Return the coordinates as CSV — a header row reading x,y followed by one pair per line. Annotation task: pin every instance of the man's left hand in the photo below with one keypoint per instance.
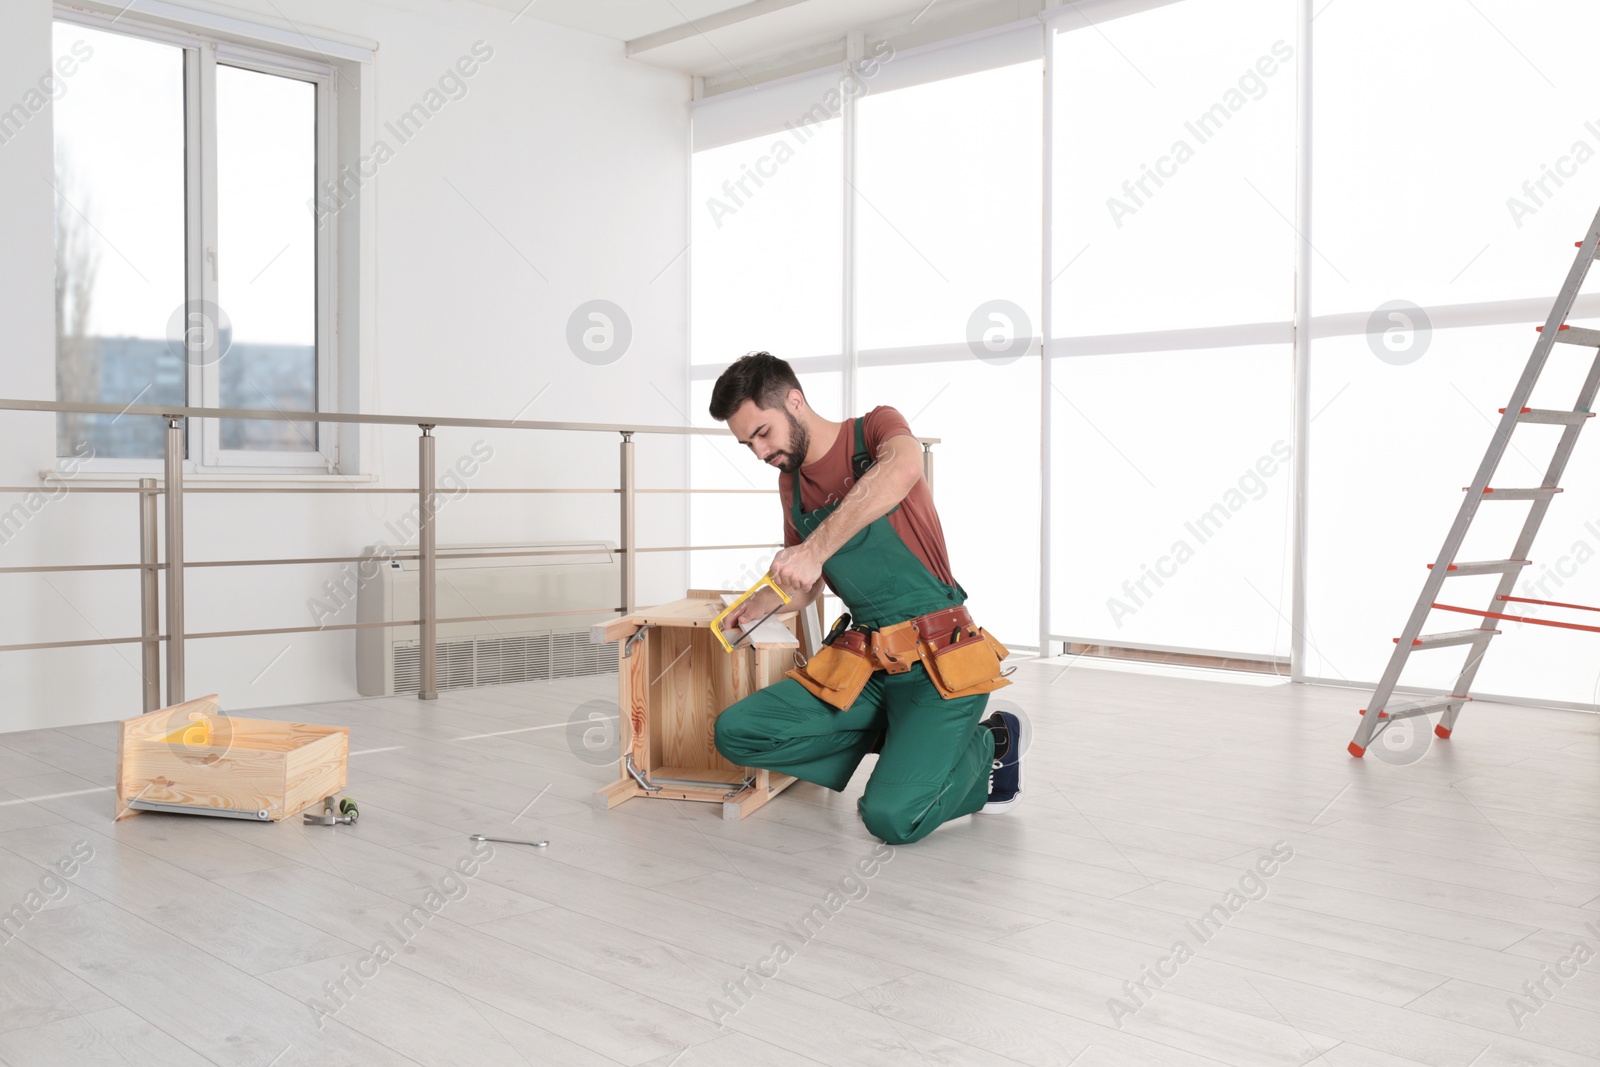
x,y
796,569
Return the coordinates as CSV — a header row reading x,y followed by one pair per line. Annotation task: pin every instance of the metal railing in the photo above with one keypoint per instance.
x,y
174,566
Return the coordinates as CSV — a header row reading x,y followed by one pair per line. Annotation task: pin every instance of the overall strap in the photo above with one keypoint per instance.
x,y
862,460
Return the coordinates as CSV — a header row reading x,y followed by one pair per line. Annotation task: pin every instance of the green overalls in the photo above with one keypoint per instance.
x,y
935,757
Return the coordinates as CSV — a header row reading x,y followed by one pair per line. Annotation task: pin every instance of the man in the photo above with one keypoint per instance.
x,y
860,517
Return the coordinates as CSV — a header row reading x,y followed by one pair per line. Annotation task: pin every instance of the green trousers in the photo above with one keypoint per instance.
x,y
933,764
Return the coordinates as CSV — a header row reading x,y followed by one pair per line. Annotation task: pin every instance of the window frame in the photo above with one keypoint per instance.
x,y
204,454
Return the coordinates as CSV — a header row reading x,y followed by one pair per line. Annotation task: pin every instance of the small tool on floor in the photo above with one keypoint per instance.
x,y
509,841
346,813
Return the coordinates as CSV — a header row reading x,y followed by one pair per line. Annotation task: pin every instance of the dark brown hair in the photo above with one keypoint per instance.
x,y
758,376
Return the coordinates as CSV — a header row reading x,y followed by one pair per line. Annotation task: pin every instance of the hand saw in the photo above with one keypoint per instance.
x,y
716,625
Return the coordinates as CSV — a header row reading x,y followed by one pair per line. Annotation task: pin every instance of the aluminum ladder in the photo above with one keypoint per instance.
x,y
1379,714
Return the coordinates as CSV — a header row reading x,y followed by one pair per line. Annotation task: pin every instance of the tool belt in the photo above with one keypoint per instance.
x,y
961,659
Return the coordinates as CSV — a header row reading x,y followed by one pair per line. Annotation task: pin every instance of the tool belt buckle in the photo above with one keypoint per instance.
x,y
895,647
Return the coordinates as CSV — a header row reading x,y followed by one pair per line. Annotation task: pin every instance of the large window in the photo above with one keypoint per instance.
x,y
1174,478
1174,167
191,264
1426,211
1172,442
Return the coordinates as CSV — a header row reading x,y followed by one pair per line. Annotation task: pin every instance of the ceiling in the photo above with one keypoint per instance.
x,y
725,37
622,20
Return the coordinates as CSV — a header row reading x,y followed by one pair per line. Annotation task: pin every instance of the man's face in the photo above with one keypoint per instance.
x,y
775,436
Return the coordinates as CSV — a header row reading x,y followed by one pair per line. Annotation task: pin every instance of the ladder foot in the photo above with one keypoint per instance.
x,y
1356,750
1440,731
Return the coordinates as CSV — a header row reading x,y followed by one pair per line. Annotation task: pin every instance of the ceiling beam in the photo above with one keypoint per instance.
x,y
732,16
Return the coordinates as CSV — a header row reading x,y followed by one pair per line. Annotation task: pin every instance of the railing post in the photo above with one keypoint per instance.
x,y
174,490
149,597
927,465
427,565
629,604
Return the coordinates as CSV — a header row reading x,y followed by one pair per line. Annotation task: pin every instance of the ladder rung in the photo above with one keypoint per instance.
x,y
1491,566
1547,603
1524,618
1551,415
1575,335
1408,709
1543,492
1451,637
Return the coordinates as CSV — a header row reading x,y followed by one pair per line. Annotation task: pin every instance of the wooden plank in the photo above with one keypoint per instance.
x,y
270,735
615,630
315,770
772,663
677,693
768,785
686,612
613,793
736,680
634,720
205,776
166,720
156,724
709,684
711,794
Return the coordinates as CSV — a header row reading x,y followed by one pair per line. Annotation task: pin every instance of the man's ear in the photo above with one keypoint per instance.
x,y
796,401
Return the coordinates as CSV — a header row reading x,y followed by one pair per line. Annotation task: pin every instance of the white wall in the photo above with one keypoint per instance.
x,y
579,158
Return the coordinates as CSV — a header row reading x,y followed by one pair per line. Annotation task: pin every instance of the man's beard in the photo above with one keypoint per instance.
x,y
799,443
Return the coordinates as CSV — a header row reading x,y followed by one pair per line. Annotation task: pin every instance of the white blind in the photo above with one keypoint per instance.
x,y
741,114
966,55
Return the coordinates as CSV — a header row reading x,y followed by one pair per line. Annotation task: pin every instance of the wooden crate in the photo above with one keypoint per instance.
x,y
245,765
675,679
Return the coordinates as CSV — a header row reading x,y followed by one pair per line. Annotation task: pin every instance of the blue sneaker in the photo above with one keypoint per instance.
x,y
1012,734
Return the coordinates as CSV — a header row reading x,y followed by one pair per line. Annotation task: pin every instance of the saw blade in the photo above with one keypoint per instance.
x,y
747,632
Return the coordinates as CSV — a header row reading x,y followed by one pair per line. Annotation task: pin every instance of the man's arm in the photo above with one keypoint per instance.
x,y
766,601
898,468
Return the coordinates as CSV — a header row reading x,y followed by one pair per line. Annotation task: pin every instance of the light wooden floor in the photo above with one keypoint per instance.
x,y
1417,902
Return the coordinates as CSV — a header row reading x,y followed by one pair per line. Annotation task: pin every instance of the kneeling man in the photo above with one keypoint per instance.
x,y
905,673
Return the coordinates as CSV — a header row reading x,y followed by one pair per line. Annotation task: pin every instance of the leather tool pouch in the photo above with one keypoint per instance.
x,y
839,671
962,659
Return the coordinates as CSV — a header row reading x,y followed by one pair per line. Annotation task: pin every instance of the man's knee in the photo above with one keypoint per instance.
x,y
891,818
733,734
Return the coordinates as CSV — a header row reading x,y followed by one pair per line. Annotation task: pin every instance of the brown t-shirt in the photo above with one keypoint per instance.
x,y
828,479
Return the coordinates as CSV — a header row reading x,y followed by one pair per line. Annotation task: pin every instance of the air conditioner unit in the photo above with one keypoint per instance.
x,y
577,575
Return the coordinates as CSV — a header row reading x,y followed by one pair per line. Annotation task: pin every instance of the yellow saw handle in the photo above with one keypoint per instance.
x,y
716,625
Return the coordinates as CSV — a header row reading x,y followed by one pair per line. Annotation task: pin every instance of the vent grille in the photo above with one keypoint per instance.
x,y
496,660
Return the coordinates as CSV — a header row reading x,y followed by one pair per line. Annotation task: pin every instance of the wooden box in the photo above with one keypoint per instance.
x,y
190,757
675,679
